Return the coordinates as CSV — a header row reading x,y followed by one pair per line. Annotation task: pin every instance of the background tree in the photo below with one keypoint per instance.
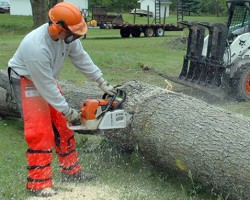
x,y
190,6
115,5
217,7
40,10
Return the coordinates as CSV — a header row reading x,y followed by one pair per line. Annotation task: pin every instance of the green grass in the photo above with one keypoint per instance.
x,y
13,165
129,176
121,60
15,24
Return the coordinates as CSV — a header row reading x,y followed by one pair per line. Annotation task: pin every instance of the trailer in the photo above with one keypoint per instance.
x,y
157,28
149,30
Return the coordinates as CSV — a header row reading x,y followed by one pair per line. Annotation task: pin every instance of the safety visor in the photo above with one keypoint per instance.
x,y
71,37
74,31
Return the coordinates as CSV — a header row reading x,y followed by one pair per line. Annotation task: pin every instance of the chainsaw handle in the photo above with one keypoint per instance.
x,y
105,95
120,93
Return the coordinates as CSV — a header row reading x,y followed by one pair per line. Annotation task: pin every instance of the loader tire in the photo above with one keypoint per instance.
x,y
241,83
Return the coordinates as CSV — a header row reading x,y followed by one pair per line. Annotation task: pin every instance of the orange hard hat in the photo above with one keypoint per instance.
x,y
71,17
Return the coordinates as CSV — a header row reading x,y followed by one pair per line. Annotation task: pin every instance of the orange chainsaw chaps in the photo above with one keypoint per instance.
x,y
67,155
39,185
39,177
39,133
37,127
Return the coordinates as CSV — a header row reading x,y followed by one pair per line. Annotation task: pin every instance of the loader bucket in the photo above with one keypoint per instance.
x,y
194,50
203,65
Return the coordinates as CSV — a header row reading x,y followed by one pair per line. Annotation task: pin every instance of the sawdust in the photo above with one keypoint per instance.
x,y
71,191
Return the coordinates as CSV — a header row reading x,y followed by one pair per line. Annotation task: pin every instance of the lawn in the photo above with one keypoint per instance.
x,y
121,60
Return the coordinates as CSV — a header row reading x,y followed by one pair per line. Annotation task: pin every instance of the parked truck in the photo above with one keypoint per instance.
x,y
103,18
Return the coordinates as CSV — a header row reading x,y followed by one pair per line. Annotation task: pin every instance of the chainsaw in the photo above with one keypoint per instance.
x,y
105,113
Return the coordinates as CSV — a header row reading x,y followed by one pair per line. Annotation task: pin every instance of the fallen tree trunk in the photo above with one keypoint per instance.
x,y
181,133
8,105
187,135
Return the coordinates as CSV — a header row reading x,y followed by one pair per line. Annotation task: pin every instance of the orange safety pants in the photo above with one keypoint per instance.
x,y
44,129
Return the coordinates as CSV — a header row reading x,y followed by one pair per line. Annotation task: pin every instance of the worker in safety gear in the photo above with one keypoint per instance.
x,y
33,71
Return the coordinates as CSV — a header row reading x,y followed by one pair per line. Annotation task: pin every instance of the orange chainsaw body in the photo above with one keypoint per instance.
x,y
90,107
105,113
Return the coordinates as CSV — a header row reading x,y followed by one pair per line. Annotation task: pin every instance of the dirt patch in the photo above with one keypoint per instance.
x,y
83,192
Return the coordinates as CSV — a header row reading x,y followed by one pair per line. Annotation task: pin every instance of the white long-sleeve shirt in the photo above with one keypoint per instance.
x,y
41,59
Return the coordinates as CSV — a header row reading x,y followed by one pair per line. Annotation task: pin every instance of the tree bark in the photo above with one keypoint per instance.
x,y
189,136
40,10
8,106
52,3
181,133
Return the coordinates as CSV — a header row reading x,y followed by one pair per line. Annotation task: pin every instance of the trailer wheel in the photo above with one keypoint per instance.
x,y
125,32
149,32
136,32
159,32
241,83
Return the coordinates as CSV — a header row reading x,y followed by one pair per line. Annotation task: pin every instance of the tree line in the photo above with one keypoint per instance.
x,y
217,7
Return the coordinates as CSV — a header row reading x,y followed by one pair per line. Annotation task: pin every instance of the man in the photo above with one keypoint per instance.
x,y
33,71
239,31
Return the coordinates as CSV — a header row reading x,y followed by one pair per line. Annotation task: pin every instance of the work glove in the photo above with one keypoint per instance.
x,y
107,88
72,115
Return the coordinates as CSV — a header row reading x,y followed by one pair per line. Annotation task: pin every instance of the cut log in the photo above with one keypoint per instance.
x,y
181,133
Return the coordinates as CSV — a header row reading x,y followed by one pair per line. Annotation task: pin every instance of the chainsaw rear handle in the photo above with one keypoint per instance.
x,y
120,98
118,92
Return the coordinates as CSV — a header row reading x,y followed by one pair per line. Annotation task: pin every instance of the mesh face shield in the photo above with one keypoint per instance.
x,y
70,36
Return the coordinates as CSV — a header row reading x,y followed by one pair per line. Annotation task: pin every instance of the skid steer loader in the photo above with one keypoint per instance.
x,y
219,63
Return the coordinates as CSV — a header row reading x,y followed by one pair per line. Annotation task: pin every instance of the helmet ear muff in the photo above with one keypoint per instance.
x,y
54,29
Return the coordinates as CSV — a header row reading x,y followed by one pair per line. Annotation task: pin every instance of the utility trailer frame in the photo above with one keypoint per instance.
x,y
154,29
148,30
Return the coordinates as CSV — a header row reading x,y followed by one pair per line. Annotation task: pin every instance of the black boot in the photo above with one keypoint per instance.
x,y
78,177
46,192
